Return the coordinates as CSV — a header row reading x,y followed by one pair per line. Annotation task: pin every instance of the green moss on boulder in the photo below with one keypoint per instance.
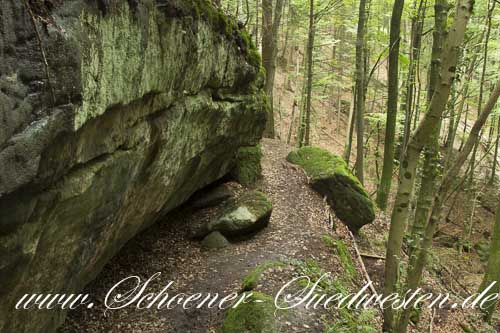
x,y
331,177
247,167
256,316
245,215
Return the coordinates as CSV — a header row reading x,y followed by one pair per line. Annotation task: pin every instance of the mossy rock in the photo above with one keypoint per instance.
x,y
214,240
331,177
247,165
247,214
256,316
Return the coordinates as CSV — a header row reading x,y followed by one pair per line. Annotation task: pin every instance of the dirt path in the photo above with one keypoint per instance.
x,y
298,221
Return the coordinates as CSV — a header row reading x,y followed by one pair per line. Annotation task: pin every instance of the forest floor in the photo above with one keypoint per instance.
x,y
298,223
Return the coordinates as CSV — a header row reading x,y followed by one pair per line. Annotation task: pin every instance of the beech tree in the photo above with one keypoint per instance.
x,y
270,26
417,142
392,105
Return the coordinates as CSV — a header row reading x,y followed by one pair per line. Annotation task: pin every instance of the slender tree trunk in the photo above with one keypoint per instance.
x,y
495,155
360,89
392,108
420,139
416,43
415,272
257,23
493,269
431,162
268,59
291,122
310,62
350,129
471,190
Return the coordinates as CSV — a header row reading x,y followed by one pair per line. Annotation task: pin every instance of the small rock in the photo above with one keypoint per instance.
x,y
215,240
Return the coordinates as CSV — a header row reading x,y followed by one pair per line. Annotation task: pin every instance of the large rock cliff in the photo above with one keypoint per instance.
x,y
112,113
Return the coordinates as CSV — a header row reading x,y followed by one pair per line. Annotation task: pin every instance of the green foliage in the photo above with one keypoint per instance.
x,y
248,169
251,281
343,253
314,271
256,316
361,322
346,320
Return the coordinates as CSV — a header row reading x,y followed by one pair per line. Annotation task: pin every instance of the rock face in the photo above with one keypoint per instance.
x,y
331,177
114,118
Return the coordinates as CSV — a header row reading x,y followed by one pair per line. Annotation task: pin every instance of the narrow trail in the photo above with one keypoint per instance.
x,y
298,222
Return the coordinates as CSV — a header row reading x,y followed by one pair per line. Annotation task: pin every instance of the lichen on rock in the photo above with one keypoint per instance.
x,y
331,177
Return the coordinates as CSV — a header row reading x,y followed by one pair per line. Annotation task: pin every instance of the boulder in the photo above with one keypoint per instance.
x,y
214,240
247,214
239,217
133,107
330,176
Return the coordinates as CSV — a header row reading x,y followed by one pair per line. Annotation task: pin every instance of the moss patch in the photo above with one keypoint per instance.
x,y
343,254
247,167
331,177
251,281
256,316
228,27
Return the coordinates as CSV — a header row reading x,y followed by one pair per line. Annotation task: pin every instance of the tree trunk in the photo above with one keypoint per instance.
x,y
309,55
360,89
415,272
416,43
392,106
257,23
350,129
430,168
493,269
471,190
268,60
495,155
417,142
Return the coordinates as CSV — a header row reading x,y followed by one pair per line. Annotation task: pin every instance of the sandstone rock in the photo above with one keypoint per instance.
x,y
331,177
249,213
212,197
138,109
215,240
248,169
